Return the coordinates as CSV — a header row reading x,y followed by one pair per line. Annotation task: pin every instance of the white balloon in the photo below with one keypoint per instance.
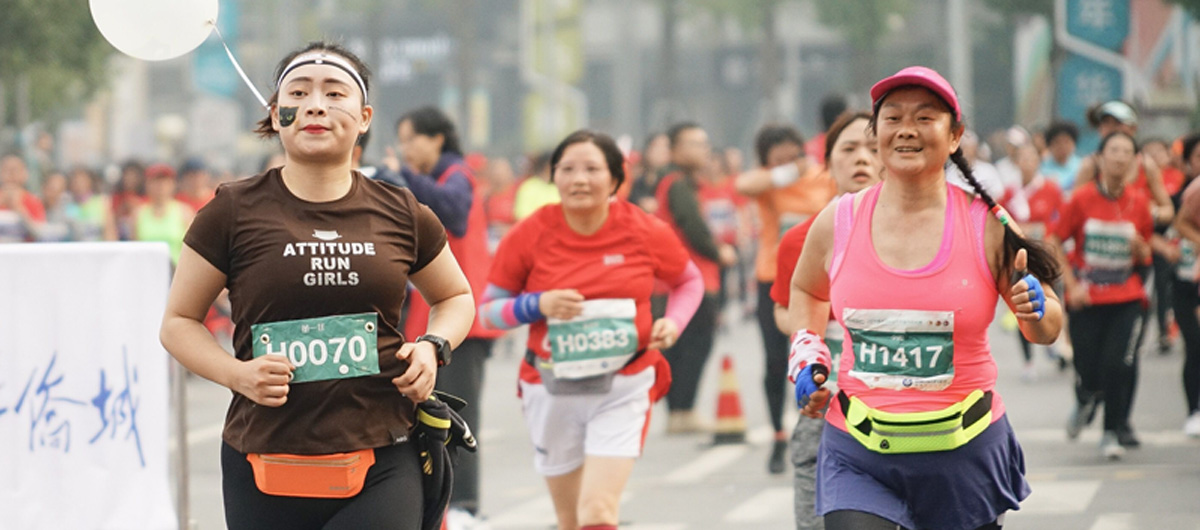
x,y
154,30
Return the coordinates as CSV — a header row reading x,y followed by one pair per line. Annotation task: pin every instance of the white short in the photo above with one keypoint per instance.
x,y
565,428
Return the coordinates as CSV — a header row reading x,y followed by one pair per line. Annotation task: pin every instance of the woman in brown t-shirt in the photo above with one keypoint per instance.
x,y
316,259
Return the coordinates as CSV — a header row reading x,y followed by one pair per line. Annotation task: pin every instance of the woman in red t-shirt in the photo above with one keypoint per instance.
x,y
581,274
1111,225
1041,199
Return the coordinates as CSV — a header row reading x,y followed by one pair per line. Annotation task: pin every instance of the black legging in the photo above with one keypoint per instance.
x,y
1105,339
463,377
391,498
775,350
852,520
689,355
1185,300
1161,296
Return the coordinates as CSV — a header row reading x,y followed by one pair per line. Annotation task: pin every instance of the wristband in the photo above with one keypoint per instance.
x,y
782,176
526,309
807,348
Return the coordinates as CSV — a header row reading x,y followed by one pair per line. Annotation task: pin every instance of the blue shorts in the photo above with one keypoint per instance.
x,y
961,489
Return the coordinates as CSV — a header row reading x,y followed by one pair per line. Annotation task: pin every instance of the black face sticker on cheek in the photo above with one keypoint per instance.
x,y
287,115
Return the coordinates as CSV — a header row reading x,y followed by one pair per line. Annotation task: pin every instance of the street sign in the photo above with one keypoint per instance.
x,y
211,72
1082,83
1104,23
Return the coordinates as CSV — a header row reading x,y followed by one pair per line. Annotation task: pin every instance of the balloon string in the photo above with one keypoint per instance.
x,y
238,67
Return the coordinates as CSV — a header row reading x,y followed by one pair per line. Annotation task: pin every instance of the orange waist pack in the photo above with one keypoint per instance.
x,y
332,476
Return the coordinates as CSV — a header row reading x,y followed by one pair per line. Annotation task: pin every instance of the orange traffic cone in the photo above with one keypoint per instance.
x,y
731,424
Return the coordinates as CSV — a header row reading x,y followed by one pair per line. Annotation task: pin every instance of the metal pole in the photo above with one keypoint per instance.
x,y
960,53
182,476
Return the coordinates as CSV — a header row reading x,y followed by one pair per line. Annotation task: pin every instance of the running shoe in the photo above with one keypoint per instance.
x,y
1192,426
1029,373
1127,439
460,519
778,454
1110,447
685,422
1080,418
1058,358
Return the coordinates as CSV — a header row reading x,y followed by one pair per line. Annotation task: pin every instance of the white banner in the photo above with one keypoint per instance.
x,y
84,392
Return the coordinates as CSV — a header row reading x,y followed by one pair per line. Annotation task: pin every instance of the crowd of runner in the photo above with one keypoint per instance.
x,y
626,263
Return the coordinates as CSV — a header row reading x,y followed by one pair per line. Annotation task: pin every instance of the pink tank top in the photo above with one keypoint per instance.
x,y
915,340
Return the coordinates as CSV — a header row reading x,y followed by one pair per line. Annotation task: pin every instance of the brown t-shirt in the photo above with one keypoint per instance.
x,y
287,259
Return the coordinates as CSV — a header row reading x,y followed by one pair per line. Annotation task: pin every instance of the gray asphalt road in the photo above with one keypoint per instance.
x,y
686,483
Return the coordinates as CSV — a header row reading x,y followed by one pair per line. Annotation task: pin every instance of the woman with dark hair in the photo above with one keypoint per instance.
x,y
95,221
1111,226
580,273
439,178
316,257
129,194
656,154
912,268
788,190
851,153
1187,273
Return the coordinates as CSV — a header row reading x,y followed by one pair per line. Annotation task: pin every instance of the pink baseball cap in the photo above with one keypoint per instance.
x,y
920,76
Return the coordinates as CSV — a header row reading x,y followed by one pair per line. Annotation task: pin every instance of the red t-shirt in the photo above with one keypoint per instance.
x,y
720,203
1045,200
1172,180
1102,228
195,202
790,246
500,205
621,260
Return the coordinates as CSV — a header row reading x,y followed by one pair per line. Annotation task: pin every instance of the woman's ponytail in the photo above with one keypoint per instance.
x,y
1041,261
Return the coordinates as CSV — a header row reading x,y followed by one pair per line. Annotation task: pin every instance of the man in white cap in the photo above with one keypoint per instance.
x,y
1118,116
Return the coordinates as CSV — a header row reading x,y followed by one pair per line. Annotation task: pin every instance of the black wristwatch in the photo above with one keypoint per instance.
x,y
443,347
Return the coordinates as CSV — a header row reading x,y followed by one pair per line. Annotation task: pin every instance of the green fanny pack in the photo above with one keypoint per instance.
x,y
917,432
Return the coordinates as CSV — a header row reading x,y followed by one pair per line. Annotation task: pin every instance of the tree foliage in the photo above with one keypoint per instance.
x,y
56,48
749,13
1191,6
1014,8
863,22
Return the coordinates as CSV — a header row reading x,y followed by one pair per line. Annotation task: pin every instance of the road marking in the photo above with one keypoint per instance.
x,y
535,513
1060,497
200,435
769,504
1114,521
1137,521
1171,438
654,526
707,463
1125,471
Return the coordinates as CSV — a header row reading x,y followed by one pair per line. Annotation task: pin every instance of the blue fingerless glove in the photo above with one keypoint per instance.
x,y
1037,296
805,385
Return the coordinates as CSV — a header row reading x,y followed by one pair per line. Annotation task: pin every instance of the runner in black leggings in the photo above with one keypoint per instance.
x,y
1186,297
316,258
1111,226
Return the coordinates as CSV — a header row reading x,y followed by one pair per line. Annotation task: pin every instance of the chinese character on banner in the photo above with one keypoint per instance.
x,y
1082,83
1104,23
1097,14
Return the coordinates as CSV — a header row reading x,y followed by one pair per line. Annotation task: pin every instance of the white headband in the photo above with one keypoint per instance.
x,y
323,58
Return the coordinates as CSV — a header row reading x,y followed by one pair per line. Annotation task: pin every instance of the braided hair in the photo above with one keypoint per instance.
x,y
1040,258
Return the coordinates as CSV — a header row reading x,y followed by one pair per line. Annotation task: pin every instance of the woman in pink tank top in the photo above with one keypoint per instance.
x,y
912,268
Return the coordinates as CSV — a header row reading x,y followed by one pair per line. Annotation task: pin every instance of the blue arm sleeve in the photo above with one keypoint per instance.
x,y
451,201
